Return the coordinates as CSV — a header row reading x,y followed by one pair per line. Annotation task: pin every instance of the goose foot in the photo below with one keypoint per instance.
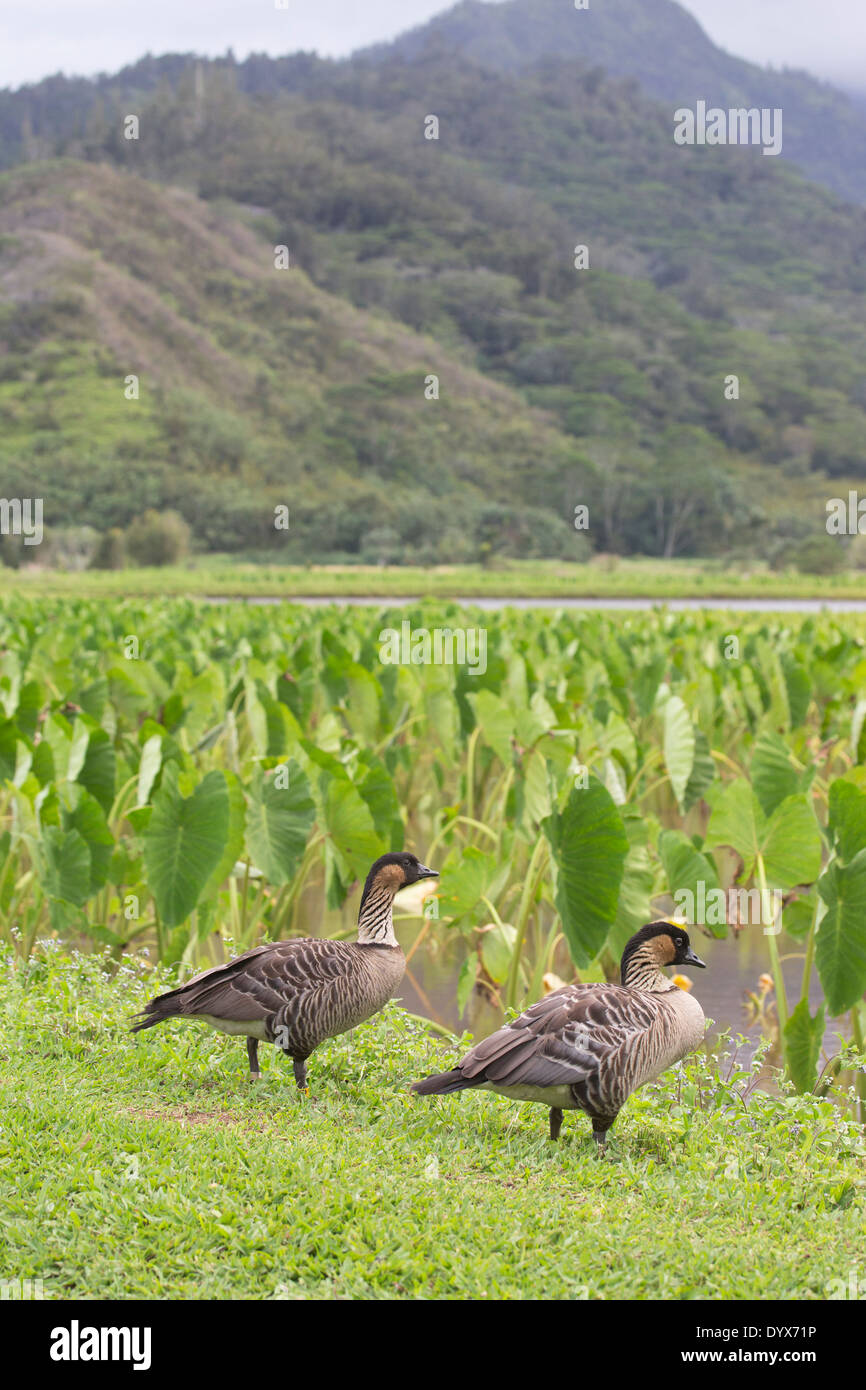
x,y
599,1134
299,1067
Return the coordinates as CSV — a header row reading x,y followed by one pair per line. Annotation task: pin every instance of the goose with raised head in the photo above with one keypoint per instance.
x,y
587,1047
297,993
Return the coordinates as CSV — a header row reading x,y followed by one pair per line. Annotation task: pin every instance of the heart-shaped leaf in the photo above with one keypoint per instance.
x,y
589,846
184,841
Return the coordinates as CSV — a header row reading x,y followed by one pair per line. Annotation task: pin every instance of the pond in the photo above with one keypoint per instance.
x,y
734,966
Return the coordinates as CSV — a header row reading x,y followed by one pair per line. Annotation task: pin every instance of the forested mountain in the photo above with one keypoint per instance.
x,y
665,48
452,257
255,389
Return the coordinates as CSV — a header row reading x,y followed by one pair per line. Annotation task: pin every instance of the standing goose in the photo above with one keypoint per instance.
x,y
298,993
587,1047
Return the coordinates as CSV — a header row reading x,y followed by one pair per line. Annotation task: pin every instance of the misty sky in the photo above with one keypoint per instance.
x,y
38,37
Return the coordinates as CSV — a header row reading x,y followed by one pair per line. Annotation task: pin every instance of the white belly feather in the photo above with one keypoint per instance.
x,y
255,1028
557,1097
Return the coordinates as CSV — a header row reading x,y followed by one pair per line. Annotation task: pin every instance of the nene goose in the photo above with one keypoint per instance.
x,y
587,1047
298,993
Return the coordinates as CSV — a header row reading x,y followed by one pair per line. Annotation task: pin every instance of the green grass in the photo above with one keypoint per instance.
x,y
219,576
150,1167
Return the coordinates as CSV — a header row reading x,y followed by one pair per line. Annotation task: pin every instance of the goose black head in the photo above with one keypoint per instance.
x,y
661,943
395,871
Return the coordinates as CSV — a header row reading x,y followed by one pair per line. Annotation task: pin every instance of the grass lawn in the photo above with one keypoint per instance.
x,y
221,576
151,1167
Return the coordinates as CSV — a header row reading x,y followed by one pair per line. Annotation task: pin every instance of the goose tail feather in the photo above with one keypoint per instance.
x,y
442,1083
157,1011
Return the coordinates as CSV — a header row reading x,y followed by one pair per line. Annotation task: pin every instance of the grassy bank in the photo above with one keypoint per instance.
x,y
640,578
151,1167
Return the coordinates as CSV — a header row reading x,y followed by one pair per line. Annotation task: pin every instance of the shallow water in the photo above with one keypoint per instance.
x,y
720,605
733,967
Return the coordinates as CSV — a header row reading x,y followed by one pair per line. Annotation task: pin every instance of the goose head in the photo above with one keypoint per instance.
x,y
655,946
394,871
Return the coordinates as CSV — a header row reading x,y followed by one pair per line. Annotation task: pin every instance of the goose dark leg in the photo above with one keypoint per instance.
x,y
555,1123
600,1126
299,1066
253,1054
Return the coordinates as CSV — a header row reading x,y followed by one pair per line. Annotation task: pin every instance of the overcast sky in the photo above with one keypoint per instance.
x,y
38,37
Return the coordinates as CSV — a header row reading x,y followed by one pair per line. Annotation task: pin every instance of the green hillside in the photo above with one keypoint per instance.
x,y
665,48
256,388
413,257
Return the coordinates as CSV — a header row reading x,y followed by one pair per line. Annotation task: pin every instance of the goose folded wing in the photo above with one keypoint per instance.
x,y
562,1040
259,983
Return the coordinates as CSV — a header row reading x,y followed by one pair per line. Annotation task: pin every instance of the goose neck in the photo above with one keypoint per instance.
x,y
644,973
375,923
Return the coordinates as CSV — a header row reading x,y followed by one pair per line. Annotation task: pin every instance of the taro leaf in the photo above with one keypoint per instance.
x,y
377,789
679,745
798,916
31,698
148,768
533,790
803,1038
8,749
847,818
362,702
634,906
840,942
646,681
774,776
296,689
686,868
202,697
465,880
84,814
703,771
589,846
99,771
799,689
279,821
68,744
466,981
858,732
65,861
234,844
614,780
351,827
497,948
617,740
272,724
184,842
497,723
93,699
43,763
139,818
789,841
440,708
792,844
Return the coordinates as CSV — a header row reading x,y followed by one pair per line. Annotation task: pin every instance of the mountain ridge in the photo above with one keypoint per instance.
x,y
664,47
607,383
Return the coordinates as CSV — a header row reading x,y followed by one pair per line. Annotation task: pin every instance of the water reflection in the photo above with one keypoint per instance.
x,y
734,966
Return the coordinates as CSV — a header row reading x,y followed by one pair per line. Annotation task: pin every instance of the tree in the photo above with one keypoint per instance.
x,y
157,538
